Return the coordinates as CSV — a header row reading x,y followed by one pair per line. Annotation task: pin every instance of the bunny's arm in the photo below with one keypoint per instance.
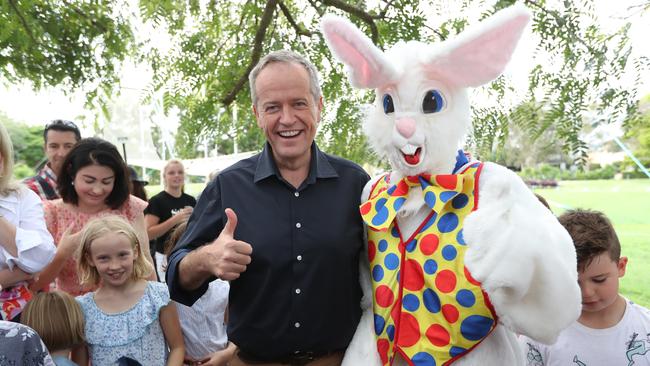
x,y
362,350
523,257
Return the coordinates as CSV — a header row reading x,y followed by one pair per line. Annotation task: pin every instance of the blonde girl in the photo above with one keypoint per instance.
x,y
166,210
58,319
127,316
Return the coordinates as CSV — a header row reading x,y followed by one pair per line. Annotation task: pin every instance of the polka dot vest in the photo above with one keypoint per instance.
x,y
427,306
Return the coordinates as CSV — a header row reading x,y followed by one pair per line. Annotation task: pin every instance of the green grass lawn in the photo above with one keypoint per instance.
x,y
627,204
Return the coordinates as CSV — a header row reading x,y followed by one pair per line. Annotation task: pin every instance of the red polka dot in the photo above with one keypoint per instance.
x,y
413,275
365,208
446,281
394,313
372,250
409,330
429,244
401,189
413,179
382,348
426,177
470,278
384,296
450,313
438,336
447,181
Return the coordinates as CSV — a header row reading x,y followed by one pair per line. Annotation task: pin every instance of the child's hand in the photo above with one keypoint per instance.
x,y
220,358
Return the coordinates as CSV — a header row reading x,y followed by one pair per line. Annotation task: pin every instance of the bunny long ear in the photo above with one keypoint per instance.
x,y
367,65
479,54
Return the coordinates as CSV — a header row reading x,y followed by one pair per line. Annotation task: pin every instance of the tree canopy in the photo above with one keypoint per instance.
x,y
215,44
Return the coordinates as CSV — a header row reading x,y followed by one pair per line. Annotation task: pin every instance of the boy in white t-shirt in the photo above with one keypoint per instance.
x,y
611,330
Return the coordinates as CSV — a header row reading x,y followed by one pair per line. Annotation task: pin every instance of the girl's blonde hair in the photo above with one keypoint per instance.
x,y
99,227
57,318
7,153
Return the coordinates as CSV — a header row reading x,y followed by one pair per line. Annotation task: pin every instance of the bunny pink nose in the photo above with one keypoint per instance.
x,y
405,126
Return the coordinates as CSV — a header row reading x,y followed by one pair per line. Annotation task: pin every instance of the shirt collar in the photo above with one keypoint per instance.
x,y
47,170
319,166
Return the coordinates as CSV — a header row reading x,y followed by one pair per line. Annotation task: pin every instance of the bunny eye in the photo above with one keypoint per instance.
x,y
388,104
432,102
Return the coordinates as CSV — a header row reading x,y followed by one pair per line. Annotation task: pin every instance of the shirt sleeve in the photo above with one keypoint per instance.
x,y
33,240
134,207
153,208
204,225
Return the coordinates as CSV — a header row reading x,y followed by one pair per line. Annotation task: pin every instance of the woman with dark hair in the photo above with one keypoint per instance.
x,y
94,182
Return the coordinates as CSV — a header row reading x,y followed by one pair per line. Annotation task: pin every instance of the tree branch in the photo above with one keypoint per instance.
x,y
287,14
382,14
267,16
359,13
100,27
23,21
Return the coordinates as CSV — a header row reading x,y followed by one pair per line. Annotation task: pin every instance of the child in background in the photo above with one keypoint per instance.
x,y
611,330
127,315
204,324
58,319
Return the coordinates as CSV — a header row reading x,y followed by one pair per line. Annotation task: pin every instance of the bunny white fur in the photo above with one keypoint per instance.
x,y
517,249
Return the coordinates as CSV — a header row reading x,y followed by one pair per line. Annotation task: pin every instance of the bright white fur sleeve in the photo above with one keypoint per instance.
x,y
524,258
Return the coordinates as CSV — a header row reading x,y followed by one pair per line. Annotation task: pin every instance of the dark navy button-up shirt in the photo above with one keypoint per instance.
x,y
301,290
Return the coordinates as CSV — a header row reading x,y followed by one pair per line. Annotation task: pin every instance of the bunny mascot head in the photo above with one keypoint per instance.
x,y
461,254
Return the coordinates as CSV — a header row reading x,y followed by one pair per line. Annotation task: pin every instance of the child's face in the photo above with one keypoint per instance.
x,y
113,257
599,282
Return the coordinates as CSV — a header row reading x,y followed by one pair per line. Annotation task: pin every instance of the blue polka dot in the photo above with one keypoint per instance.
x,y
394,232
431,300
391,189
430,222
411,302
380,217
411,245
377,273
449,252
455,351
398,203
423,359
379,324
448,222
382,245
459,237
466,298
430,266
430,199
460,201
391,261
475,327
447,195
380,203
390,330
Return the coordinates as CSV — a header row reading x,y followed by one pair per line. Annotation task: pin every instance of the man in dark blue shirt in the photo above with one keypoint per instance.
x,y
284,227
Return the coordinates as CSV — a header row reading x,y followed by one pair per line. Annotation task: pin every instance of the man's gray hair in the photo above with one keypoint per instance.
x,y
286,56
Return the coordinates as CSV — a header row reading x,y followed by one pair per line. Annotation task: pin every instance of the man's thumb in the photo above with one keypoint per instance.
x,y
231,224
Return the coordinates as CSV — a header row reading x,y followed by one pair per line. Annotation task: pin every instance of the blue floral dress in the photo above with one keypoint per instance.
x,y
135,333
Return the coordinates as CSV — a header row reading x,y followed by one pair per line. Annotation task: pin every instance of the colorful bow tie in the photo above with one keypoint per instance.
x,y
379,211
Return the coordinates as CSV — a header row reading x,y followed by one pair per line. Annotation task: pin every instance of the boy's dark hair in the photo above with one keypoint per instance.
x,y
63,126
174,237
592,234
91,151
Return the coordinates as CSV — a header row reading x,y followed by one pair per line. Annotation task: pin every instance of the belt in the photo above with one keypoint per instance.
x,y
298,358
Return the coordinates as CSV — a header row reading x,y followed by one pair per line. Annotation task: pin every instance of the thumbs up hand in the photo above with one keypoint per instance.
x,y
228,256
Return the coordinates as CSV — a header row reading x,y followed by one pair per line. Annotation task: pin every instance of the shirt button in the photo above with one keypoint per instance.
x,y
298,291
299,257
297,194
297,325
298,225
